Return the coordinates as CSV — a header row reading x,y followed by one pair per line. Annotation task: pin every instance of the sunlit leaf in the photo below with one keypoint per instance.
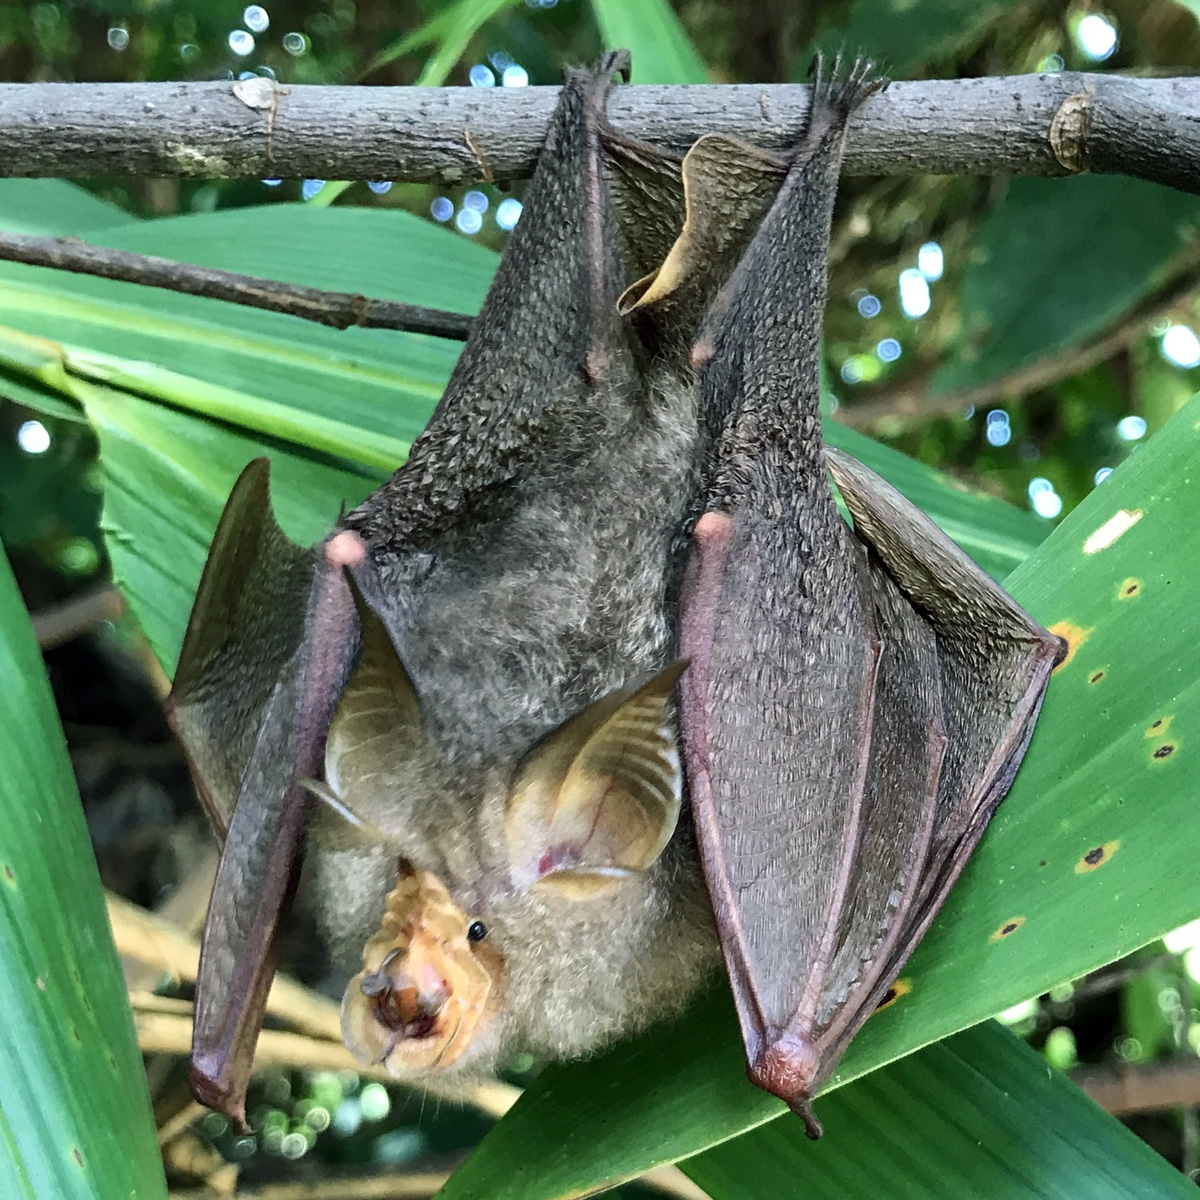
x,y
904,37
662,50
75,1120
976,1115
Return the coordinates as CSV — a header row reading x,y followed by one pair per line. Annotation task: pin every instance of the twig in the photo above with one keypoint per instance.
x,y
1142,1087
1050,124
142,935
398,1186
340,310
171,1033
61,623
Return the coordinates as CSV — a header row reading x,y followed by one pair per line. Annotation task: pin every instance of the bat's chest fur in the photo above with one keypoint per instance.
x,y
511,624
508,626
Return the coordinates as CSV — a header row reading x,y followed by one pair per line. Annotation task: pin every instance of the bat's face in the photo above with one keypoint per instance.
x,y
540,905
429,981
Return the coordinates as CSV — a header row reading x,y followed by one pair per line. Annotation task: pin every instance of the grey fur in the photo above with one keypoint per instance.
x,y
524,563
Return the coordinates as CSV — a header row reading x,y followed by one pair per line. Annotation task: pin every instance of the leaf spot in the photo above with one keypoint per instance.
x,y
1009,927
77,1155
1073,635
1159,726
41,984
900,988
1096,857
1164,751
1120,523
1096,676
9,877
1129,588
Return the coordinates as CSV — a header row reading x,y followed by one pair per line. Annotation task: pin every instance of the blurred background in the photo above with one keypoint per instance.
x,y
1024,336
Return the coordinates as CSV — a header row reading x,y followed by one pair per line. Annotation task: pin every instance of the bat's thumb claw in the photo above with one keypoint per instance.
x,y
804,1110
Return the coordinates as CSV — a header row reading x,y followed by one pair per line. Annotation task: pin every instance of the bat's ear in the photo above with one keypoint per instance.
x,y
376,735
728,187
597,799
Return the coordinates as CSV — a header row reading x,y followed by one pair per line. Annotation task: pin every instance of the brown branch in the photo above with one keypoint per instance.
x,y
62,622
1142,1087
1050,124
341,310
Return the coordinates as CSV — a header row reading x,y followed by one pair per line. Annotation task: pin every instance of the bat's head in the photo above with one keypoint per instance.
x,y
542,901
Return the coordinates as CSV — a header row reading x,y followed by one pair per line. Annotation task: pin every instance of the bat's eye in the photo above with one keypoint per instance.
x,y
476,931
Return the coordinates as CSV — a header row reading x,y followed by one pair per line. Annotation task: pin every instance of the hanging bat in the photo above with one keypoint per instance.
x,y
858,701
502,755
500,766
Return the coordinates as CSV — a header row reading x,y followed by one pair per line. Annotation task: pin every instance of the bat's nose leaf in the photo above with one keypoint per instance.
x,y
422,995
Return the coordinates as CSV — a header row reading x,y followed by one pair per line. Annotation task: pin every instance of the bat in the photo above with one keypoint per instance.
x,y
475,672
859,700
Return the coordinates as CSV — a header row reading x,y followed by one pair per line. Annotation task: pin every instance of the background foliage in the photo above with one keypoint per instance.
x,y
1025,337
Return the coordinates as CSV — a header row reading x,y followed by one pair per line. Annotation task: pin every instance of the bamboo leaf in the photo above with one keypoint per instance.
x,y
75,1119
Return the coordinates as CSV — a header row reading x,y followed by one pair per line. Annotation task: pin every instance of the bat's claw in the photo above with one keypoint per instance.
x,y
804,1110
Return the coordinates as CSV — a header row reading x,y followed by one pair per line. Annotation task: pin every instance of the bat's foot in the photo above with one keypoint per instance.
x,y
844,95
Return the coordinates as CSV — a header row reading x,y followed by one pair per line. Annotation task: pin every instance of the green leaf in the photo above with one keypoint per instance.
x,y
450,31
976,1115
662,50
167,479
379,381
1075,871
904,37
1057,262
75,1118
54,208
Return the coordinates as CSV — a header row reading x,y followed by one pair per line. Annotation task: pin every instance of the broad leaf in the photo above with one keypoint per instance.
x,y
1058,261
1091,856
75,1117
976,1115
662,51
904,37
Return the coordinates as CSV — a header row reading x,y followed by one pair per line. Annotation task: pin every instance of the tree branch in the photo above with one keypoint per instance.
x,y
339,309
1053,124
1141,1087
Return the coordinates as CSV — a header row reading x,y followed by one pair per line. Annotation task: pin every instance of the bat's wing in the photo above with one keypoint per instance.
x,y
549,343
274,633
272,637
994,662
856,705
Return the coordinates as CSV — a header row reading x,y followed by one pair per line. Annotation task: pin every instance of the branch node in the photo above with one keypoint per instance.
x,y
1071,130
